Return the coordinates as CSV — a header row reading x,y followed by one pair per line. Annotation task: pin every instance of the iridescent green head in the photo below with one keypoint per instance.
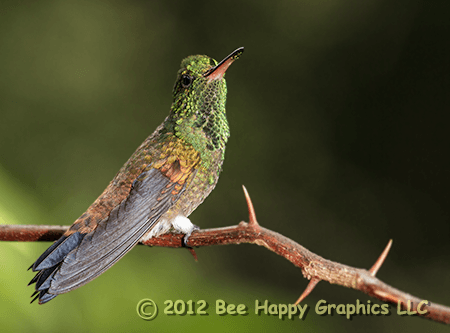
x,y
198,109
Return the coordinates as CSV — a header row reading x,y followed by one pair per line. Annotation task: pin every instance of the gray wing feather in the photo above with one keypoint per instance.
x,y
118,233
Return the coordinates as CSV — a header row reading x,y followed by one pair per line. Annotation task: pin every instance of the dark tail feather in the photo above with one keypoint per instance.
x,y
44,297
35,297
49,262
36,277
46,253
56,253
45,278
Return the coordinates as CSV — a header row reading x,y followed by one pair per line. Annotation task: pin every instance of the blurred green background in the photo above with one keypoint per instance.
x,y
339,120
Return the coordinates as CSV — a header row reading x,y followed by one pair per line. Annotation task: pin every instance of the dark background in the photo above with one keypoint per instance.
x,y
339,130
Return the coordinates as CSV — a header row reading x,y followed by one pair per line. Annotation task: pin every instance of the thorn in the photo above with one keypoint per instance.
x,y
193,253
374,270
311,285
251,211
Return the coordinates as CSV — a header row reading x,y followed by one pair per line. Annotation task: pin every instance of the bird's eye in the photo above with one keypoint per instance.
x,y
186,81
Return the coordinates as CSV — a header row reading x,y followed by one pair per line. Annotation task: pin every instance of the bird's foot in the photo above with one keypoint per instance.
x,y
187,235
184,225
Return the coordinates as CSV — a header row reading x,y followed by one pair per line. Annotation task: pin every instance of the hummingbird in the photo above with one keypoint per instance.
x,y
165,179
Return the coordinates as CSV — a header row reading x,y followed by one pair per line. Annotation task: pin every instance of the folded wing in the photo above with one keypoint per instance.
x,y
74,260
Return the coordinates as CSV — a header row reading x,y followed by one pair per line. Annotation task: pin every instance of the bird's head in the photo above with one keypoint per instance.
x,y
199,97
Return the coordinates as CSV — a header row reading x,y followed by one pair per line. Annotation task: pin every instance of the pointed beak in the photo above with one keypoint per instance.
x,y
218,71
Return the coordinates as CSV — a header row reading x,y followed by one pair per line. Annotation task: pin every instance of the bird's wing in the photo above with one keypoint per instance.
x,y
118,233
79,258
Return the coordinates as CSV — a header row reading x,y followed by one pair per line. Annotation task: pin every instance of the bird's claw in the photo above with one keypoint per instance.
x,y
187,235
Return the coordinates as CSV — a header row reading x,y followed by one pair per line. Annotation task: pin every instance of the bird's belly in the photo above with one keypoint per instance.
x,y
162,226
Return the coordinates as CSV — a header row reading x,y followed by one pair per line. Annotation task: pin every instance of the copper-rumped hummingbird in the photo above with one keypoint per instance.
x,y
165,179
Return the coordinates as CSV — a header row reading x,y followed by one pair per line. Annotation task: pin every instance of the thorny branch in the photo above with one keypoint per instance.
x,y
314,267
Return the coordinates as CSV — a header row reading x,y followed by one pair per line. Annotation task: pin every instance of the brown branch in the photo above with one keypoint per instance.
x,y
314,267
